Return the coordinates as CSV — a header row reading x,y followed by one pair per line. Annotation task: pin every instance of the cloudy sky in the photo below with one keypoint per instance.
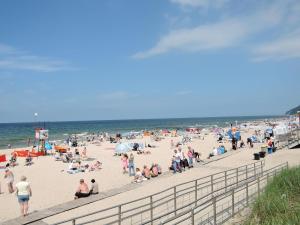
x,y
117,59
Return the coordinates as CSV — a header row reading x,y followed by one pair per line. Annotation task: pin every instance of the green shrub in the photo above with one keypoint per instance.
x,y
280,202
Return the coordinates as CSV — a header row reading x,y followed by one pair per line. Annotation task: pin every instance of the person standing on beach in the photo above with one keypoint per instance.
x,y
131,169
23,193
190,155
124,160
9,177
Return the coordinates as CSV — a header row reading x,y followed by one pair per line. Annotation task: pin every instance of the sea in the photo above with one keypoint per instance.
x,y
18,134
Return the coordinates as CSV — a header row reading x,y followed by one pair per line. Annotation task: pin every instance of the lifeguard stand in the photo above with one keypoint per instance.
x,y
41,135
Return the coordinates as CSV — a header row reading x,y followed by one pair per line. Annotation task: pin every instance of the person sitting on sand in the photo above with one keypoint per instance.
x,y
242,144
13,160
158,168
28,160
146,172
77,155
214,153
94,187
138,178
58,156
96,166
83,190
73,167
154,170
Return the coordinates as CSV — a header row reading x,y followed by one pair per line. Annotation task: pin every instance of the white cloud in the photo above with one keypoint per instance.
x,y
183,93
200,3
13,59
285,47
227,33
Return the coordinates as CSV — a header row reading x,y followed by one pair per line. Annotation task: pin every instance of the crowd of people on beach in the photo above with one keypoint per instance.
x,y
182,159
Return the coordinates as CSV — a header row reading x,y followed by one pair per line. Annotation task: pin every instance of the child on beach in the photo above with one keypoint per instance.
x,y
131,165
9,177
138,178
124,160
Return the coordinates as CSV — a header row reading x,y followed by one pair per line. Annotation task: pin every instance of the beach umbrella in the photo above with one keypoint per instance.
x,y
122,148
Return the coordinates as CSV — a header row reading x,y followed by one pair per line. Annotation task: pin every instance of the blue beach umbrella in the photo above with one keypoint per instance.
x,y
122,148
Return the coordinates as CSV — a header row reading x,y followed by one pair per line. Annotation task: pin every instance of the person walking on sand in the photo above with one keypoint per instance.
x,y
9,177
131,169
124,160
23,193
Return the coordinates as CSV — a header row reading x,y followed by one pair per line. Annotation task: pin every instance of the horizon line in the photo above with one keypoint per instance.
x,y
127,119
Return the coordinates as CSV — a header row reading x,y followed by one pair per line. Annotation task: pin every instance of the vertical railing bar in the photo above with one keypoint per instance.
x,y
151,209
196,192
225,180
232,199
215,211
175,201
119,215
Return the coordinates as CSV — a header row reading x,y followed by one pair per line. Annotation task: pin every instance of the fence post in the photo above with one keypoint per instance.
x,y
73,222
226,180
175,202
212,184
258,186
193,216
215,210
237,176
287,165
247,193
261,168
151,209
232,203
246,173
254,170
120,215
196,190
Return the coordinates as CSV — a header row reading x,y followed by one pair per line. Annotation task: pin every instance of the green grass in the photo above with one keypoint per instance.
x,y
280,203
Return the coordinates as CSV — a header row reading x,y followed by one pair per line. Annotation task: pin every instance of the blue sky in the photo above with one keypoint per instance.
x,y
117,59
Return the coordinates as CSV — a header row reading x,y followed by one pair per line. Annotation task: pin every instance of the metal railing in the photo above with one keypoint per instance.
x,y
171,202
222,207
289,139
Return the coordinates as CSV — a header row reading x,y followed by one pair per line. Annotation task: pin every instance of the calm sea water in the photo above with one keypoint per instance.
x,y
17,134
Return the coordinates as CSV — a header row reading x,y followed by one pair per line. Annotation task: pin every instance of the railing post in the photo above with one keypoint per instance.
x,y
237,176
211,184
175,202
232,201
193,217
120,215
73,222
151,209
215,210
226,180
247,193
246,173
261,168
258,186
196,192
254,170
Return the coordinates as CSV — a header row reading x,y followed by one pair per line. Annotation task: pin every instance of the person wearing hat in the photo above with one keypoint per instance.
x,y
9,177
23,193
83,190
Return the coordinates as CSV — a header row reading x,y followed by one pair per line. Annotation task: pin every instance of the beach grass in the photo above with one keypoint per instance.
x,y
280,203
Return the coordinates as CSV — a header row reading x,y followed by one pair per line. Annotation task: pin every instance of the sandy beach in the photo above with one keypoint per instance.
x,y
52,185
